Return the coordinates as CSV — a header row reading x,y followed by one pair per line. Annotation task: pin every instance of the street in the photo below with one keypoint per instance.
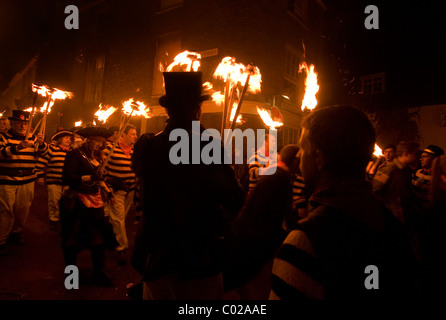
x,y
35,270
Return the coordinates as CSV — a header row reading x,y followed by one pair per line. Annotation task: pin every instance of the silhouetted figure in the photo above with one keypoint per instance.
x,y
346,229
180,248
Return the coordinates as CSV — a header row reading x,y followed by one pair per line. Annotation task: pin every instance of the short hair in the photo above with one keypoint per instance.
x,y
407,146
128,128
345,137
390,146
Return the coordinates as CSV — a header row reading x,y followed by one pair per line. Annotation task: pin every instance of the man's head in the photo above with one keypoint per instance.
x,y
129,135
429,154
4,124
19,122
115,132
407,153
288,155
389,152
336,141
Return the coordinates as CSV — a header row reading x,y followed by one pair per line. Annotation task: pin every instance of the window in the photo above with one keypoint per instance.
x,y
298,10
168,47
95,79
373,83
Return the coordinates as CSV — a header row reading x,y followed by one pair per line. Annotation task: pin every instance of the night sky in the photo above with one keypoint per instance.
x,y
410,39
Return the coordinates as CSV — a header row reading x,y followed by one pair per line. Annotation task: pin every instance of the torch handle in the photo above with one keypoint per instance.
x,y
240,101
43,124
239,106
30,121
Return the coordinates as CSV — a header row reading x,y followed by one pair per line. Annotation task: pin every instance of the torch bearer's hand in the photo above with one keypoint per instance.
x,y
25,144
40,139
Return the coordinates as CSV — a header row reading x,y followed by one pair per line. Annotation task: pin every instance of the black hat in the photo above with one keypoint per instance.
x,y
113,129
94,132
182,88
19,115
434,150
60,134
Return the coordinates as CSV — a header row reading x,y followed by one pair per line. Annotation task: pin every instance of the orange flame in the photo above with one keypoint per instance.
x,y
267,119
311,87
104,112
78,123
234,109
229,70
378,151
186,58
136,108
53,93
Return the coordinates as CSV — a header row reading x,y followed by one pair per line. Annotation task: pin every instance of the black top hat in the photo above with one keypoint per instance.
x,y
182,88
94,132
19,115
434,150
60,134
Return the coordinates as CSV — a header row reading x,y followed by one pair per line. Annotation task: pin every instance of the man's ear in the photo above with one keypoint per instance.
x,y
318,159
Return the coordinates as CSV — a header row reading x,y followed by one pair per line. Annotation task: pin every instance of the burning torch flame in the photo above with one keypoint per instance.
x,y
136,108
78,123
104,112
378,151
239,118
311,87
267,120
190,59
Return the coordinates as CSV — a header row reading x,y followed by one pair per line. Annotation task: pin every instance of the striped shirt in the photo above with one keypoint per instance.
x,y
17,167
296,272
53,161
300,198
119,166
258,160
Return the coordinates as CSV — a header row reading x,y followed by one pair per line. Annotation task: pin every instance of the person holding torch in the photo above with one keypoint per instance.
x,y
18,154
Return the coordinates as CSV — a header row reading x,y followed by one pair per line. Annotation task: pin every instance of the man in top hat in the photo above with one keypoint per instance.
x,y
423,177
50,167
18,155
181,242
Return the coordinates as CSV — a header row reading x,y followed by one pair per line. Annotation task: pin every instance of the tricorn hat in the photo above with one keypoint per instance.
x,y
182,88
434,150
19,115
61,133
94,132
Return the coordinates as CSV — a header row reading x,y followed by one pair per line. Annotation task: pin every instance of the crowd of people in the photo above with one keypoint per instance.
x,y
305,223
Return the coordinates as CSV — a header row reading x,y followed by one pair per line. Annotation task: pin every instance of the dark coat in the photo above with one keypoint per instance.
x,y
259,229
186,210
348,230
81,227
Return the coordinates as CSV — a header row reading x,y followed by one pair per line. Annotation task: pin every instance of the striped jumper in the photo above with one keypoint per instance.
x,y
119,168
53,160
17,168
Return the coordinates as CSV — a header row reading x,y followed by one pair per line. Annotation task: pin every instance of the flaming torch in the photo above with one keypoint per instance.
x,y
129,108
186,58
104,112
52,94
268,120
371,167
232,74
309,101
